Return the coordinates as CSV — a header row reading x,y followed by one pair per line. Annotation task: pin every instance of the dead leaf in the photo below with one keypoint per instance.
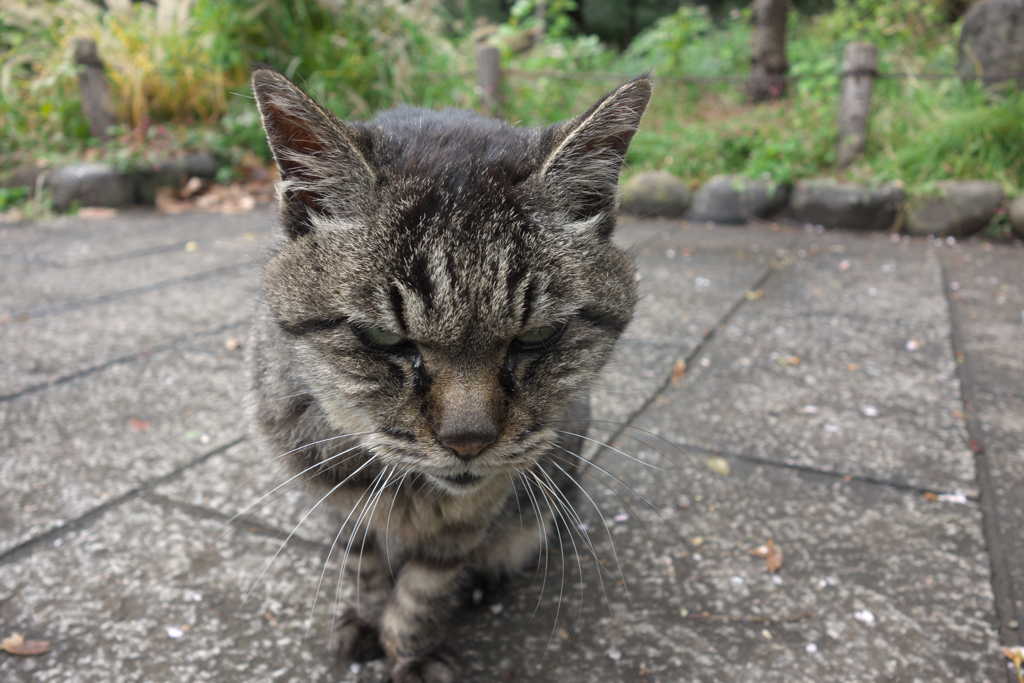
x,y
139,425
774,559
755,294
793,360
719,465
853,367
771,553
193,187
96,212
678,371
1016,655
17,645
167,202
931,496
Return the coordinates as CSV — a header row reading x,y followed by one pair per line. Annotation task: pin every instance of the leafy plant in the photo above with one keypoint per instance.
x,y
13,196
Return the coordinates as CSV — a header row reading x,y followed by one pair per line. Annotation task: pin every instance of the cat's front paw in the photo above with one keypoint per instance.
x,y
439,666
354,640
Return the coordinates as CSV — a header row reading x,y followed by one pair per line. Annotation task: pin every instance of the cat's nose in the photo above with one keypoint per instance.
x,y
467,445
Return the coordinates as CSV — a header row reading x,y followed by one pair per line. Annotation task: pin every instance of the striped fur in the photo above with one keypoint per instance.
x,y
441,292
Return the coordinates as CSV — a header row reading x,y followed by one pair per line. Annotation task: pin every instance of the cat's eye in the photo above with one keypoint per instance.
x,y
383,337
538,337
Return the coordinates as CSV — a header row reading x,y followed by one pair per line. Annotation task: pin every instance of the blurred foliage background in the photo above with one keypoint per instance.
x,y
178,74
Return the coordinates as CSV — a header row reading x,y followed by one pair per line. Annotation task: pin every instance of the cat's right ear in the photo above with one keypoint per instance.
x,y
581,170
323,160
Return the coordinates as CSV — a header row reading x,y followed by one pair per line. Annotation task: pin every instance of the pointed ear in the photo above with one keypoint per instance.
x,y
324,162
581,172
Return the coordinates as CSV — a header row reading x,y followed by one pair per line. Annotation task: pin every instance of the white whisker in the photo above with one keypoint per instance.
x,y
292,532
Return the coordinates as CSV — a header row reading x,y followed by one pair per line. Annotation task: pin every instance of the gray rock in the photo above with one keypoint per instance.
x,y
24,175
200,165
958,207
734,199
992,42
89,184
655,193
1017,216
170,173
846,205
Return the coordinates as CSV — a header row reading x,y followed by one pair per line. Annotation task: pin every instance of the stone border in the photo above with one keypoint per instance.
x,y
957,208
97,184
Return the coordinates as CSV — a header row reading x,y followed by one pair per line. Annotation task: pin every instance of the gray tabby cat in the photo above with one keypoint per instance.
x,y
442,291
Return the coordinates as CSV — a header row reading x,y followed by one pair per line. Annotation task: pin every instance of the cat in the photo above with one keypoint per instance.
x,y
441,291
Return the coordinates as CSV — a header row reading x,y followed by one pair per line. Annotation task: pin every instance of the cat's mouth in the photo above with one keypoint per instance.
x,y
464,479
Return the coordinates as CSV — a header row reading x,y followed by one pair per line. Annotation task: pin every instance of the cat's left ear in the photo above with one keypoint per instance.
x,y
581,172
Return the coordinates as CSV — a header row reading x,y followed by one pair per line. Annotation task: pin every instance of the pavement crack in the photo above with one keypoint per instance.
x,y
691,356
1002,581
807,469
125,293
131,357
127,255
232,521
87,518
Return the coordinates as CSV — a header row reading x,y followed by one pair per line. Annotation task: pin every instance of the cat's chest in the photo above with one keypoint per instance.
x,y
426,519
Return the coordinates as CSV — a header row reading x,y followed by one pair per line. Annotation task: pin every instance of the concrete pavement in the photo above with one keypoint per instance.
x,y
856,398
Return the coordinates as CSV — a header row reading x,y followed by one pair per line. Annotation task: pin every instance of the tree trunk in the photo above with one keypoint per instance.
x,y
768,65
92,83
859,62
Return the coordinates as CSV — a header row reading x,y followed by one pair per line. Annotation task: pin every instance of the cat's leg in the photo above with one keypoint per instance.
x,y
356,633
415,622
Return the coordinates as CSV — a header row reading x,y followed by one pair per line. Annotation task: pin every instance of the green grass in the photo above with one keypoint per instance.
x,y
195,95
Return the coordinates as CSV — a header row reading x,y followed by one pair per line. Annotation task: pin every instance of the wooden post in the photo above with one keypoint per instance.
x,y
540,15
488,75
768,65
93,89
859,62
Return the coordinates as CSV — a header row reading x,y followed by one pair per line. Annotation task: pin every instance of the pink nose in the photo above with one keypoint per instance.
x,y
468,445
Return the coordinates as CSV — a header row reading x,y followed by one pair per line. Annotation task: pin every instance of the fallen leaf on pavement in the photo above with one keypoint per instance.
x,y
193,187
96,212
1016,655
756,294
166,201
139,425
17,645
771,553
678,370
719,465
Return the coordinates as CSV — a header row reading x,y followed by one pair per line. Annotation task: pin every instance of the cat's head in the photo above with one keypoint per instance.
x,y
448,282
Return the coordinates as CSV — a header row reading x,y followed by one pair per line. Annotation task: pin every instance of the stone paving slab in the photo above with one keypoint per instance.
x,y
45,349
809,375
688,283
76,446
238,485
45,291
67,241
986,287
703,609
156,597
116,545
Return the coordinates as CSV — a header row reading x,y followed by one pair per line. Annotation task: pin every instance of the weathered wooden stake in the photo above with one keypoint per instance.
x,y
92,84
488,76
768,65
859,62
